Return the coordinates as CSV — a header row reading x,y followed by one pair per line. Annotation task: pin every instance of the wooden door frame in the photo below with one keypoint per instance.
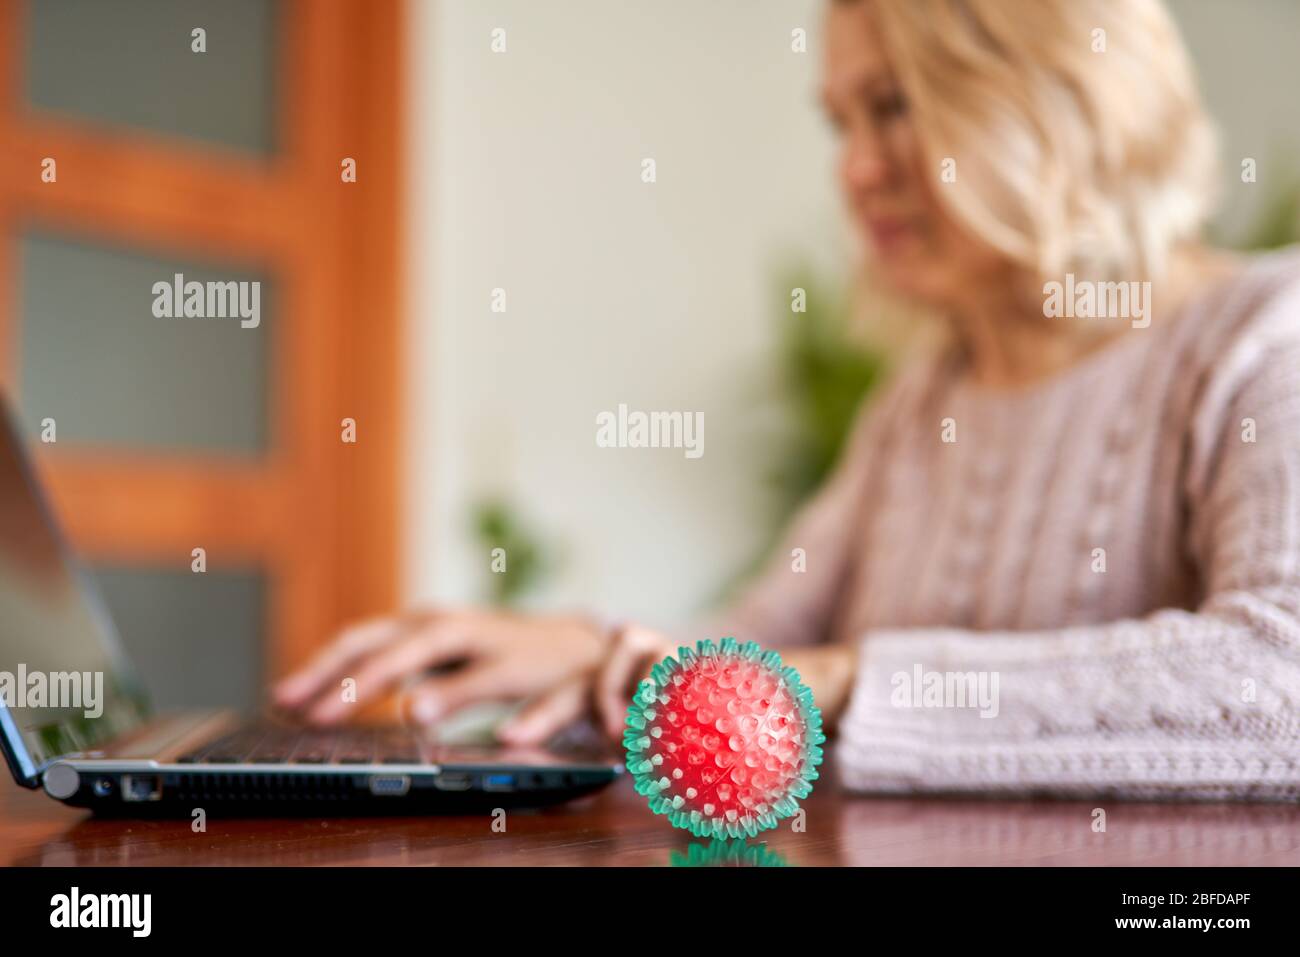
x,y
320,517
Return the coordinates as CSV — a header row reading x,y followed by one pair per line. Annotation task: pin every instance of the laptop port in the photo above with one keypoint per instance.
x,y
498,782
141,787
454,781
390,785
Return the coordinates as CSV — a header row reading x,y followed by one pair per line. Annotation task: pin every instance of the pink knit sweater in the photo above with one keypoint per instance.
x,y
1091,588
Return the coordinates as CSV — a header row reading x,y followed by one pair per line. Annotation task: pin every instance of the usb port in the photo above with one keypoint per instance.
x,y
498,782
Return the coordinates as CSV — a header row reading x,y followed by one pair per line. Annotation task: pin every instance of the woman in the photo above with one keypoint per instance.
x,y
1061,555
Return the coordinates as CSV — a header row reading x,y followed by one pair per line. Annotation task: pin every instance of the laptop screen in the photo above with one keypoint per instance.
x,y
64,683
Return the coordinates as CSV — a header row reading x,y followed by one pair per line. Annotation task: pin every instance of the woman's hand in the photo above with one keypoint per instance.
x,y
631,656
827,669
606,690
502,656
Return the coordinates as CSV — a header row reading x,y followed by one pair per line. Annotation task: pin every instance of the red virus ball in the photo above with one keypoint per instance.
x,y
723,739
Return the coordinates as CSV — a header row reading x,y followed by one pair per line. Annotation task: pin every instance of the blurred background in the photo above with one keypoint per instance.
x,y
498,147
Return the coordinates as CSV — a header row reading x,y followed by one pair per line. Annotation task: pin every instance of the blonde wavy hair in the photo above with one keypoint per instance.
x,y
1077,128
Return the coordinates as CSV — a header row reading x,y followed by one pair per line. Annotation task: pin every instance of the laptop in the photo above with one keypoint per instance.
x,y
75,720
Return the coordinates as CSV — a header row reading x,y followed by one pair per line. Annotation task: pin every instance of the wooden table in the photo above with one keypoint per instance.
x,y
615,827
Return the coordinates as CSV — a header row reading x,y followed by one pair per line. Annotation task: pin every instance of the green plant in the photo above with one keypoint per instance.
x,y
1278,223
523,561
822,373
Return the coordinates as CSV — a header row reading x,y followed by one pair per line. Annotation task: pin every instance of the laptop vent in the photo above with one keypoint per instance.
x,y
216,788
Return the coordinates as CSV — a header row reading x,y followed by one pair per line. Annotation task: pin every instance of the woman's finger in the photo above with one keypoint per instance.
x,y
433,699
550,712
353,642
437,643
633,655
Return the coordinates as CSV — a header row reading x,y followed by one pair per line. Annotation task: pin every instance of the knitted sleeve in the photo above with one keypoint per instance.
x,y
1181,703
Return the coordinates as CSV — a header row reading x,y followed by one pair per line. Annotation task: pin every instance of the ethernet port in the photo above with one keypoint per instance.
x,y
141,787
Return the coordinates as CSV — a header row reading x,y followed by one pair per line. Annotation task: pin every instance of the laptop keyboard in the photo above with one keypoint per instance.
x,y
273,744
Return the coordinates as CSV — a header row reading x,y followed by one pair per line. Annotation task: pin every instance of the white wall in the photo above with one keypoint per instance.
x,y
526,175
1247,55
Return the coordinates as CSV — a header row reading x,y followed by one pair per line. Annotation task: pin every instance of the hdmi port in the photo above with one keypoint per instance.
x,y
453,782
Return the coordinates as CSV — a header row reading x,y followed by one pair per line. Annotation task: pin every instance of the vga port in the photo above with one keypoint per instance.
x,y
390,785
